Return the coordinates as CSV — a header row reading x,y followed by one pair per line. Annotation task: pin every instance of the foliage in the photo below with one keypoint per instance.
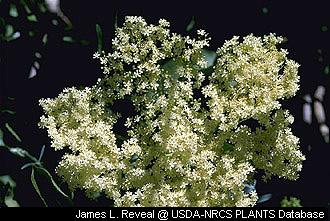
x,y
7,184
35,20
187,140
290,202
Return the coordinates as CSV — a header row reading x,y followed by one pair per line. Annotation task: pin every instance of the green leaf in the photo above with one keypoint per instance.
x,y
115,24
291,202
191,24
324,28
38,55
28,165
31,33
264,10
45,39
8,111
171,67
95,195
133,160
84,42
32,18
55,22
264,198
36,64
2,23
33,72
22,153
9,31
31,157
10,202
49,176
42,7
8,195
210,57
99,37
68,39
13,10
36,187
72,195
2,143
7,180
227,147
11,130
26,7
326,69
14,36
233,83
18,151
41,153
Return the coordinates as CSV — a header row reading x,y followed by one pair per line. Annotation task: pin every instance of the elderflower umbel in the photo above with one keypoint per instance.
x,y
178,148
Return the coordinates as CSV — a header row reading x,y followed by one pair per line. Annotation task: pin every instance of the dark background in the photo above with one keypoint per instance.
x,y
70,64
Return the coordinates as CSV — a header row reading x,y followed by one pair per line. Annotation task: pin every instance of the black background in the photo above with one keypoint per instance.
x,y
65,65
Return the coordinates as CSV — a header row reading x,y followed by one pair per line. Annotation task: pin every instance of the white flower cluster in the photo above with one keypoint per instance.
x,y
178,149
249,79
